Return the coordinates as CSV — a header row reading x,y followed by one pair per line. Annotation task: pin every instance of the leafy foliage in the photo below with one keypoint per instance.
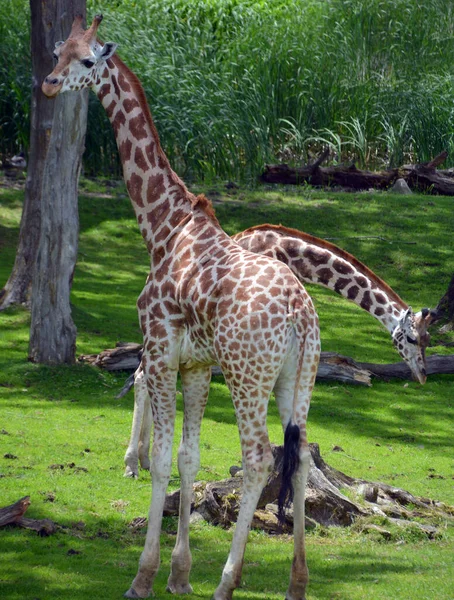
x,y
237,83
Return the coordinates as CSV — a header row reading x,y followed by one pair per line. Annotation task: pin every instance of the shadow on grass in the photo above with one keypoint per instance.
x,y
102,565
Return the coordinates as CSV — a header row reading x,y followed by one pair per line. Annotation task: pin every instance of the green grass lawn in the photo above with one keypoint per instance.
x,y
69,433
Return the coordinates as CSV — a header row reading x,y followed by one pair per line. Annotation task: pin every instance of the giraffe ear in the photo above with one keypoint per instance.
x,y
108,50
406,317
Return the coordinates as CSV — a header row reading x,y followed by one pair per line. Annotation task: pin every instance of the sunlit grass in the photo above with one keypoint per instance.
x,y
69,433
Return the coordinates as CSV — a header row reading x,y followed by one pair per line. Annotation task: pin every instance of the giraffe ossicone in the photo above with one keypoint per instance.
x,y
207,300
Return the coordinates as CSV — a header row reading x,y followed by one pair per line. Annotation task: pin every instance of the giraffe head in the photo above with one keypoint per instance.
x,y
411,339
79,59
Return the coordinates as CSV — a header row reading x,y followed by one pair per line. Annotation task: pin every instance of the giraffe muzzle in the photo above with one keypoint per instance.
x,y
51,86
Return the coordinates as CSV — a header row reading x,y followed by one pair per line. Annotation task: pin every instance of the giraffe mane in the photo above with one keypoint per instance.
x,y
206,205
312,239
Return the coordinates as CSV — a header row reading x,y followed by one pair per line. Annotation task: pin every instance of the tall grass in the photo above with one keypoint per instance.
x,y
236,83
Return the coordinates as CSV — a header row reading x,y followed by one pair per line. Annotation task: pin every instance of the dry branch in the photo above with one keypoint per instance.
x,y
14,515
332,366
420,177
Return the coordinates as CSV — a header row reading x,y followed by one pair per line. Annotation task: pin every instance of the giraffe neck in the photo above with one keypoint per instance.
x,y
314,260
160,199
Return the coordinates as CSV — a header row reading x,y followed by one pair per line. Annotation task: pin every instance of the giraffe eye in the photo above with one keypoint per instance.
x,y
411,340
87,63
55,57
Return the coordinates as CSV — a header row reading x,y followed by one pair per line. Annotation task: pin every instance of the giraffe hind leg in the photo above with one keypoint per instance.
x,y
141,399
196,386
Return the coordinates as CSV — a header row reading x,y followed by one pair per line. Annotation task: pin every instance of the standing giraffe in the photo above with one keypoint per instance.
x,y
206,301
314,261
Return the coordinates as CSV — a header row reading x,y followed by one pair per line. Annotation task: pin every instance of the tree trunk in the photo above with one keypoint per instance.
x,y
59,129
17,288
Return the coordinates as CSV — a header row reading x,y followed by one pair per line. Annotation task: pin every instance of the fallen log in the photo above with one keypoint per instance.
x,y
332,366
14,515
326,502
445,308
422,177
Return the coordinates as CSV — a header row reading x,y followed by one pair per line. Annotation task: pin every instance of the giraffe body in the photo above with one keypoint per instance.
x,y
206,301
319,262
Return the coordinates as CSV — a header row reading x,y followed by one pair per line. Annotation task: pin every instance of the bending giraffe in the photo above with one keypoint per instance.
x,y
206,301
314,261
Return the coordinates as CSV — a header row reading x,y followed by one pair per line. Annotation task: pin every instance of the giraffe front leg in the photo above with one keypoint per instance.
x,y
161,383
196,385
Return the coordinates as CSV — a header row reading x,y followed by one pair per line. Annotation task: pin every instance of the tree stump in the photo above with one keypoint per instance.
x,y
326,501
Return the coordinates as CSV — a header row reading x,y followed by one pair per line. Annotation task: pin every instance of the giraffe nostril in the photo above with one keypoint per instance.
x,y
50,81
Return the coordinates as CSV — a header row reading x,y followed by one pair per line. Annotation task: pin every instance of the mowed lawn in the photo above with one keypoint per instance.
x,y
63,434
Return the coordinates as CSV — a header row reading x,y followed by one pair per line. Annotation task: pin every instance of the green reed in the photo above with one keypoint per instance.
x,y
234,84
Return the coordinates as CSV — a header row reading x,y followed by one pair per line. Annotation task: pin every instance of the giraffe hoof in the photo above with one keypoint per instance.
x,y
179,588
131,593
130,473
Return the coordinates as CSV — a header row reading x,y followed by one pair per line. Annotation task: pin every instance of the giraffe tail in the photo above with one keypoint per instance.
x,y
290,465
292,435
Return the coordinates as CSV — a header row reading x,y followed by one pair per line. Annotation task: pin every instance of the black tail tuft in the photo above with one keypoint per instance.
x,y
290,465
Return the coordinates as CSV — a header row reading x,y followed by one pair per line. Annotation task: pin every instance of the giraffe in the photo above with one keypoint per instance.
x,y
207,300
316,261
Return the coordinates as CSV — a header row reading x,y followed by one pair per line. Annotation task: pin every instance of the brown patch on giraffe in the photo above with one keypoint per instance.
x,y
137,127
315,257
123,82
104,91
110,109
140,160
105,73
301,267
130,104
342,267
353,292
366,301
155,190
118,121
324,275
115,84
361,281
150,150
163,234
340,284
282,257
379,311
134,185
380,298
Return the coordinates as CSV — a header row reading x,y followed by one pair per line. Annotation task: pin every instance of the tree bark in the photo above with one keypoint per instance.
x,y
17,288
61,124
